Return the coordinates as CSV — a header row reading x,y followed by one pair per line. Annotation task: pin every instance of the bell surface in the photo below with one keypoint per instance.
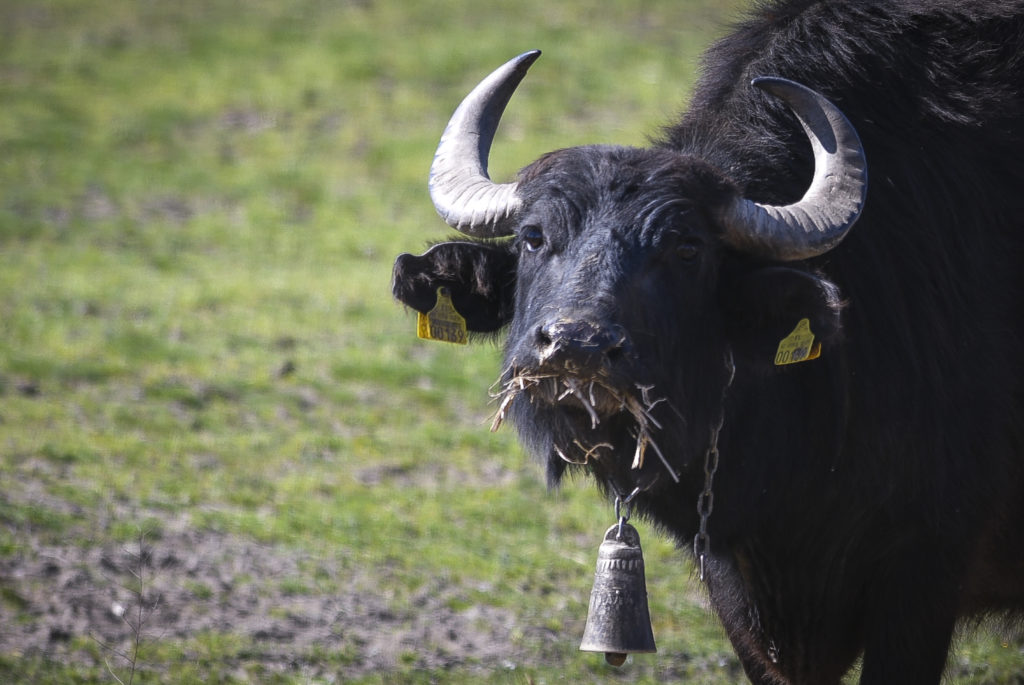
x,y
618,621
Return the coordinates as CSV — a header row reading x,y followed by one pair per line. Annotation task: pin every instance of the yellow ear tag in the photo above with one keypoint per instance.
x,y
798,346
442,322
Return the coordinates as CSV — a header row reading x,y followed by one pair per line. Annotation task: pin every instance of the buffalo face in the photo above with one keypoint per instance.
x,y
616,271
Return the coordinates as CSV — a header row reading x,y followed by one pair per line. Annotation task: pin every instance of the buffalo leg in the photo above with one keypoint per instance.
x,y
909,639
737,612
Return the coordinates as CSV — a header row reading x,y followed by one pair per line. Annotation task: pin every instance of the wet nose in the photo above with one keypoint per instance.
x,y
579,346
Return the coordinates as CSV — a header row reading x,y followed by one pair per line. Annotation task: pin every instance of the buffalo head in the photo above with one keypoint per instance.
x,y
629,278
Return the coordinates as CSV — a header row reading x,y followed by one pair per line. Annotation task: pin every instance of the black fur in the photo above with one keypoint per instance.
x,y
866,500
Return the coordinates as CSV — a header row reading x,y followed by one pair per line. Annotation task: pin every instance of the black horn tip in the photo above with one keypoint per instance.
x,y
766,82
530,56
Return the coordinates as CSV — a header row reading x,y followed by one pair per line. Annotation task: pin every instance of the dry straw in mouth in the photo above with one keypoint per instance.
x,y
639,407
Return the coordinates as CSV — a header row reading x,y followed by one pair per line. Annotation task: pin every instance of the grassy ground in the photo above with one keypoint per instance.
x,y
224,455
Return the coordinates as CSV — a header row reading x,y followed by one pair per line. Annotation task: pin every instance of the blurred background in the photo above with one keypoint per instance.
x,y
224,454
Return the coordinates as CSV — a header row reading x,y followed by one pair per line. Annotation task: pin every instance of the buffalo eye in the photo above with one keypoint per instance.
x,y
533,238
688,249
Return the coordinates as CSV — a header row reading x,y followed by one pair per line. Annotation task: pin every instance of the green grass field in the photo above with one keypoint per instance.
x,y
224,454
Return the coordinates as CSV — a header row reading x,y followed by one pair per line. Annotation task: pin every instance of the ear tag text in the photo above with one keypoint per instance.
x,y
442,322
798,346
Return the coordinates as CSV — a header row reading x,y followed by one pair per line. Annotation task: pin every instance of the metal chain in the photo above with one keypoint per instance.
x,y
706,500
623,516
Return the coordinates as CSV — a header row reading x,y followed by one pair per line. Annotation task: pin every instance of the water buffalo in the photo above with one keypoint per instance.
x,y
735,316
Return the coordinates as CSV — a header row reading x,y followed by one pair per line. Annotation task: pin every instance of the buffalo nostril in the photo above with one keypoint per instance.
x,y
542,337
616,346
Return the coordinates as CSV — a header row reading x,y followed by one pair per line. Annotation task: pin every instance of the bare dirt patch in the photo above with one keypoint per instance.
x,y
321,617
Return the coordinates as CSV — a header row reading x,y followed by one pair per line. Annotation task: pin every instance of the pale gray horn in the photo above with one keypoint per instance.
x,y
463,193
833,202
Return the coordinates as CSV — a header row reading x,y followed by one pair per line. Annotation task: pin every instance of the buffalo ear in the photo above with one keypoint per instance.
x,y
479,276
764,306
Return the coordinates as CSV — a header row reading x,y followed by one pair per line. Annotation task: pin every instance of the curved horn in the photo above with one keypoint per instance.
x,y
833,202
463,193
